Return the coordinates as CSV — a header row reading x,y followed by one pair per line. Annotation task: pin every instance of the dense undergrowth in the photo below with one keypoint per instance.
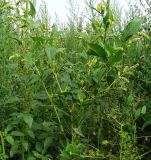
x,y
74,92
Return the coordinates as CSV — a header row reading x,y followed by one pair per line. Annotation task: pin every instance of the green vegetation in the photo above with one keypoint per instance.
x,y
78,92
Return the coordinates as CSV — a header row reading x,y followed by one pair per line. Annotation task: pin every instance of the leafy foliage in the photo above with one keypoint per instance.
x,y
73,92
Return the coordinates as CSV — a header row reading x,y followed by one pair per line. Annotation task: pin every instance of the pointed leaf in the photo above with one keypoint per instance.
x,y
115,58
143,111
78,131
38,147
51,52
97,50
32,9
14,150
132,28
10,139
28,119
109,15
25,145
17,133
11,100
30,134
47,143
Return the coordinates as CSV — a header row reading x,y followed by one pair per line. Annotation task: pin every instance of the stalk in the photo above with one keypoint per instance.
x,y
3,144
50,99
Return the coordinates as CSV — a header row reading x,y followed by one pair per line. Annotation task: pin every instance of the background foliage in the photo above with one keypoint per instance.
x,y
75,91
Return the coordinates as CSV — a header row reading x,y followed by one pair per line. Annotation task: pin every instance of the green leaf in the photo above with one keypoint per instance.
x,y
47,143
78,131
138,113
143,111
97,50
112,75
11,100
19,41
38,40
37,155
51,52
109,50
14,150
94,26
30,157
25,145
132,28
17,133
60,50
81,96
30,134
115,58
8,128
28,60
109,16
38,147
28,119
105,142
32,9
130,99
10,139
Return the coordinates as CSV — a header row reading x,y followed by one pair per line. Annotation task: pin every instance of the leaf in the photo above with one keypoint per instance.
x,y
11,100
94,26
30,157
37,155
10,139
8,128
32,9
115,58
130,99
147,123
51,52
105,142
28,60
112,75
143,111
25,145
28,119
30,134
109,16
109,50
19,41
81,96
97,50
60,50
47,143
14,150
138,113
132,28
78,131
38,40
38,147
17,133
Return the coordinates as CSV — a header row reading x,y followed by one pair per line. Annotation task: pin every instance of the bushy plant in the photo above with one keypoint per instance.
x,y
73,92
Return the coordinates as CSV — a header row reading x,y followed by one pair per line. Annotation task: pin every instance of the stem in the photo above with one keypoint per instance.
x,y
22,154
3,143
141,156
105,33
50,99
90,65
121,143
91,157
26,12
57,81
